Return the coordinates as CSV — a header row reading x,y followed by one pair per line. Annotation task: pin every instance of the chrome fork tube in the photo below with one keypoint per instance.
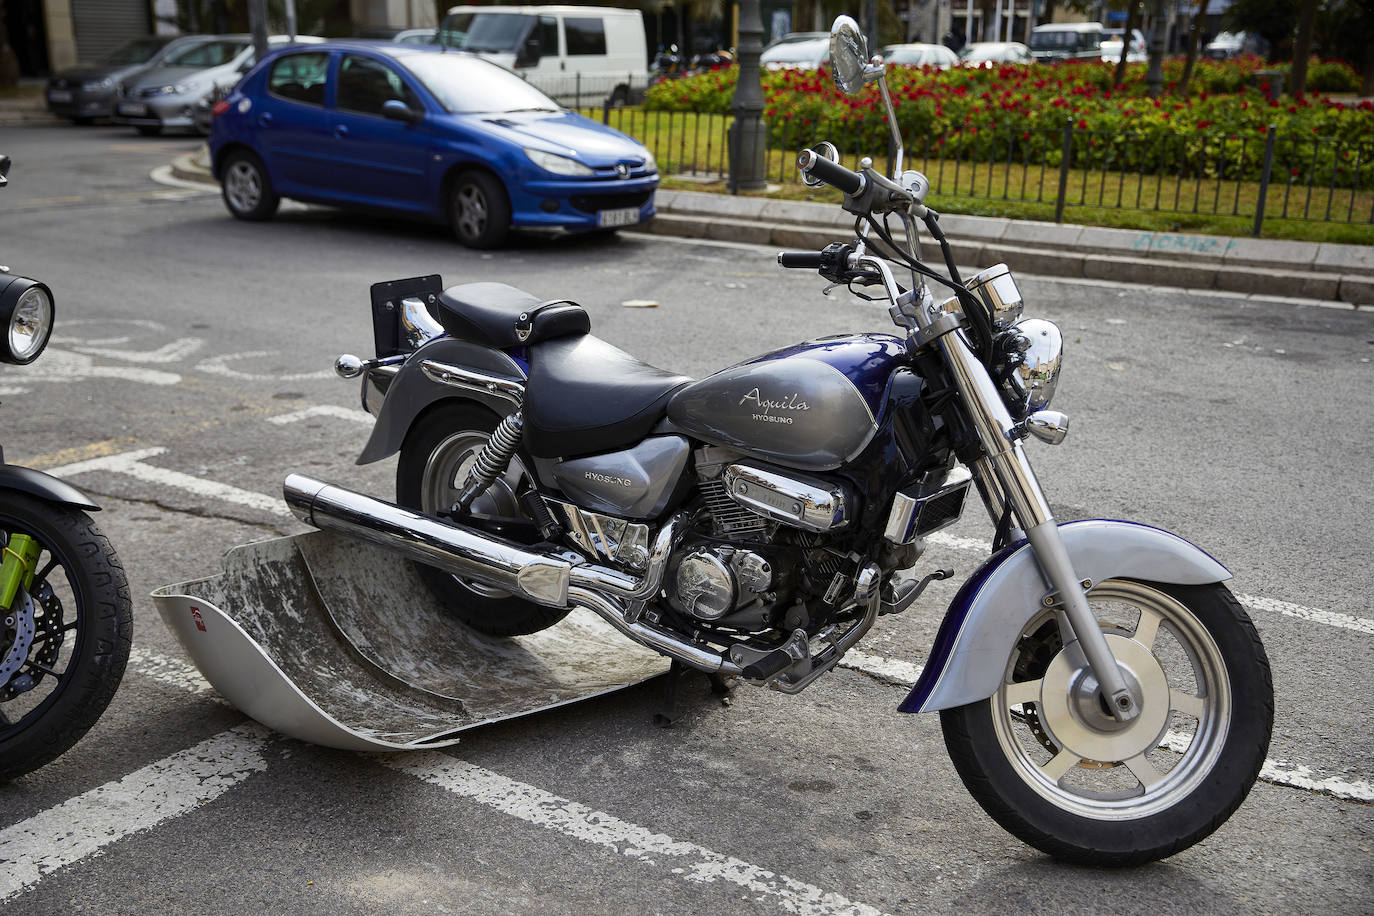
x,y
1020,488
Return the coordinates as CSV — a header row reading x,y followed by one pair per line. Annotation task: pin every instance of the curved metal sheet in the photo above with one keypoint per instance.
x,y
338,643
987,615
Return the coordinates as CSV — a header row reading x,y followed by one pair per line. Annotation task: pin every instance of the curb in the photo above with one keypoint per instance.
x,y
1324,271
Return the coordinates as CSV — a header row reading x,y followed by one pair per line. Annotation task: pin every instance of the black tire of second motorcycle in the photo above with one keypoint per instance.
x,y
104,632
487,614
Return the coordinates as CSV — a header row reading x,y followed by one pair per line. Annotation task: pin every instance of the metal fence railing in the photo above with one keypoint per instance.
x,y
1053,170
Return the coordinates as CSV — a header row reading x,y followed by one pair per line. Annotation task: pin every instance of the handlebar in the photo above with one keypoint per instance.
x,y
807,260
832,173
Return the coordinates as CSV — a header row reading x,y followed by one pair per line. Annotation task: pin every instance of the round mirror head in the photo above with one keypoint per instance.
x,y
848,54
824,148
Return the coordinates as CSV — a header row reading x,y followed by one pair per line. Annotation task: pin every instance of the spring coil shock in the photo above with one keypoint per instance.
x,y
491,462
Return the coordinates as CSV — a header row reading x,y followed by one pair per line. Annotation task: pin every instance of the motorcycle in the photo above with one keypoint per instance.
x,y
65,613
1102,694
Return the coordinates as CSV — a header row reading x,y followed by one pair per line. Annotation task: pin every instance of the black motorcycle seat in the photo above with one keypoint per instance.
x,y
585,396
487,313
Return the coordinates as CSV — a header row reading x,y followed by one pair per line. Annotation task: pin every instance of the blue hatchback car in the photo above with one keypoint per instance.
x,y
442,135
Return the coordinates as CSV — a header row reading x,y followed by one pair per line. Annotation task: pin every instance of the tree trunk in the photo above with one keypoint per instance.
x,y
1302,47
1194,39
1132,23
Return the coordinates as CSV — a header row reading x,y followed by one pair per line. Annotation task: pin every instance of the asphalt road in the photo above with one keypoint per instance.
x,y
1245,426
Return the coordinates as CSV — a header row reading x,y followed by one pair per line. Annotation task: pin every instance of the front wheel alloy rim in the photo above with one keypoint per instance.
x,y
1062,741
243,186
472,211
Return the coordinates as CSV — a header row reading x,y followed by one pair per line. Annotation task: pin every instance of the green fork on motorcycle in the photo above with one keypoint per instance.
x,y
17,570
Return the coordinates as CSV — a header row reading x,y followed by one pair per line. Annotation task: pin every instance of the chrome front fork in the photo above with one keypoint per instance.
x,y
1014,482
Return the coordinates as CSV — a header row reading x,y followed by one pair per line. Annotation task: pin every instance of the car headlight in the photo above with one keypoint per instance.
x,y
97,85
182,88
26,313
650,163
559,165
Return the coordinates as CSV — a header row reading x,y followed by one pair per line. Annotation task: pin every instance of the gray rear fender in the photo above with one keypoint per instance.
x,y
412,391
988,614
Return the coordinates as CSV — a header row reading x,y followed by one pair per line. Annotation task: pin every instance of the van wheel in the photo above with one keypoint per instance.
x,y
479,211
620,97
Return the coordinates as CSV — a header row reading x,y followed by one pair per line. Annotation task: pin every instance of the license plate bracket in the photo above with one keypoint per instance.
x,y
622,216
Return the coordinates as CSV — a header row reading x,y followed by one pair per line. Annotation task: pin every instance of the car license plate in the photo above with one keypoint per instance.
x,y
59,95
133,109
627,216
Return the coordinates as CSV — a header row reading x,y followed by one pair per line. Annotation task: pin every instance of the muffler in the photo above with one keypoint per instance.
x,y
461,551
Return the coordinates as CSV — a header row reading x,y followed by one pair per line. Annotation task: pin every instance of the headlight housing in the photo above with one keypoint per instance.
x,y
96,85
26,316
559,165
185,88
650,163
1032,377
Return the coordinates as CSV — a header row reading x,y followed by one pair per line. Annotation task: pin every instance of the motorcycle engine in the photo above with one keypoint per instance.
x,y
752,567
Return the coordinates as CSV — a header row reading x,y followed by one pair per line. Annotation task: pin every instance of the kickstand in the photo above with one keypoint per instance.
x,y
670,709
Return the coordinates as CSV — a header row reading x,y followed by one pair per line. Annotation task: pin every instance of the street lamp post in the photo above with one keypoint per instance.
x,y
748,137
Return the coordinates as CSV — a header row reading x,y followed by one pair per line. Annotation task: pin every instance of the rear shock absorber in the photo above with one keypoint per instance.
x,y
491,462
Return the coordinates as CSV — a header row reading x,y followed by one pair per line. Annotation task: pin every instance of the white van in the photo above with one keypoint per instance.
x,y
579,55
1067,41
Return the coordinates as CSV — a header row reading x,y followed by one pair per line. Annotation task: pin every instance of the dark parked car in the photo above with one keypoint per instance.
x,y
86,92
442,136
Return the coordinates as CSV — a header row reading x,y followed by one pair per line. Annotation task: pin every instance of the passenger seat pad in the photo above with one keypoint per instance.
x,y
486,313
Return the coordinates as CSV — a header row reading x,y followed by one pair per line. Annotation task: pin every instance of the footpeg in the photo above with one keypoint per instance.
x,y
771,665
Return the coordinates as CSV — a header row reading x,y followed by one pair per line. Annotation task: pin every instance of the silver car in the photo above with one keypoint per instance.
x,y
167,95
87,91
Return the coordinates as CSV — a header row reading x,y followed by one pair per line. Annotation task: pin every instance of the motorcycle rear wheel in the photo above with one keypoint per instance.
x,y
82,620
438,452
1047,761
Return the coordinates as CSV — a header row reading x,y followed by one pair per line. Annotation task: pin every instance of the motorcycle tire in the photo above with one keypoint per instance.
x,y
1047,761
82,625
438,451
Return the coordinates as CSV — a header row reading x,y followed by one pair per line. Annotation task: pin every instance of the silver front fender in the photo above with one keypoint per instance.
x,y
987,615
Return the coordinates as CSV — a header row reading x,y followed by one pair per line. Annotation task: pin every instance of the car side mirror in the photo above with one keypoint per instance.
x,y
529,53
396,110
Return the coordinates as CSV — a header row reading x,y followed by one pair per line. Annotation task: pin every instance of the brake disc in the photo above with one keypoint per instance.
x,y
18,633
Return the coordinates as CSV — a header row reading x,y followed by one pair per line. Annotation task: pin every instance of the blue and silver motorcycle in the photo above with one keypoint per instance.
x,y
1103,695
65,613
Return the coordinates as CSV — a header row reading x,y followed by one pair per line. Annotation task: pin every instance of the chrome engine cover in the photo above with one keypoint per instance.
x,y
798,500
711,582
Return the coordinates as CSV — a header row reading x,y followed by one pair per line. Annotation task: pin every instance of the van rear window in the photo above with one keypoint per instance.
x,y
585,35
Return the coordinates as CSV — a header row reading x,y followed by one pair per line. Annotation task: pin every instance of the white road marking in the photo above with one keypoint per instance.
x,y
131,464
1253,602
171,787
173,672
687,861
324,410
219,365
172,352
66,366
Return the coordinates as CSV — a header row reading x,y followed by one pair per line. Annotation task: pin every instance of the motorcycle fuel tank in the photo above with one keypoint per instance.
x,y
812,406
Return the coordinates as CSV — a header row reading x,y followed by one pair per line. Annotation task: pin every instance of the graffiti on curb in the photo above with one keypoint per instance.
x,y
1188,244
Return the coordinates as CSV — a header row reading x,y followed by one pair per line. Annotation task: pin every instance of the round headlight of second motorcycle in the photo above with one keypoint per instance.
x,y
26,311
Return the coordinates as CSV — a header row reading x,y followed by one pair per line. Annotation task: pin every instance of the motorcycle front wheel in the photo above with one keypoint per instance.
x,y
65,639
438,452
1045,758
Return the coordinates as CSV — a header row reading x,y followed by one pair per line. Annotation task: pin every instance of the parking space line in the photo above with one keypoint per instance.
x,y
687,861
132,465
323,410
86,823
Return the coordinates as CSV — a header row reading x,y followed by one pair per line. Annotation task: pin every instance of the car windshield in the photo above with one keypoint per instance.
x,y
797,52
135,52
484,31
467,85
210,54
1054,41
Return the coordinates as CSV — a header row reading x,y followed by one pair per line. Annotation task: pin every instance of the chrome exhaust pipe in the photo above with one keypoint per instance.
x,y
455,549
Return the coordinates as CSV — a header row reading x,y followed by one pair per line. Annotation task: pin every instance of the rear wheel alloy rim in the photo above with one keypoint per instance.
x,y
472,211
446,471
1063,743
243,186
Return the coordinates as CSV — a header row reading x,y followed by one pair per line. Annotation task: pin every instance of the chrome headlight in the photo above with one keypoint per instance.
x,y
559,165
997,290
26,313
1033,381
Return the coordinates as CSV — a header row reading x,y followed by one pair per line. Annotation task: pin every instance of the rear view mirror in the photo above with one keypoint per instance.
x,y
849,56
396,110
529,53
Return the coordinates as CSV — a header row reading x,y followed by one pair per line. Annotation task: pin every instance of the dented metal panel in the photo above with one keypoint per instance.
x,y
338,643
